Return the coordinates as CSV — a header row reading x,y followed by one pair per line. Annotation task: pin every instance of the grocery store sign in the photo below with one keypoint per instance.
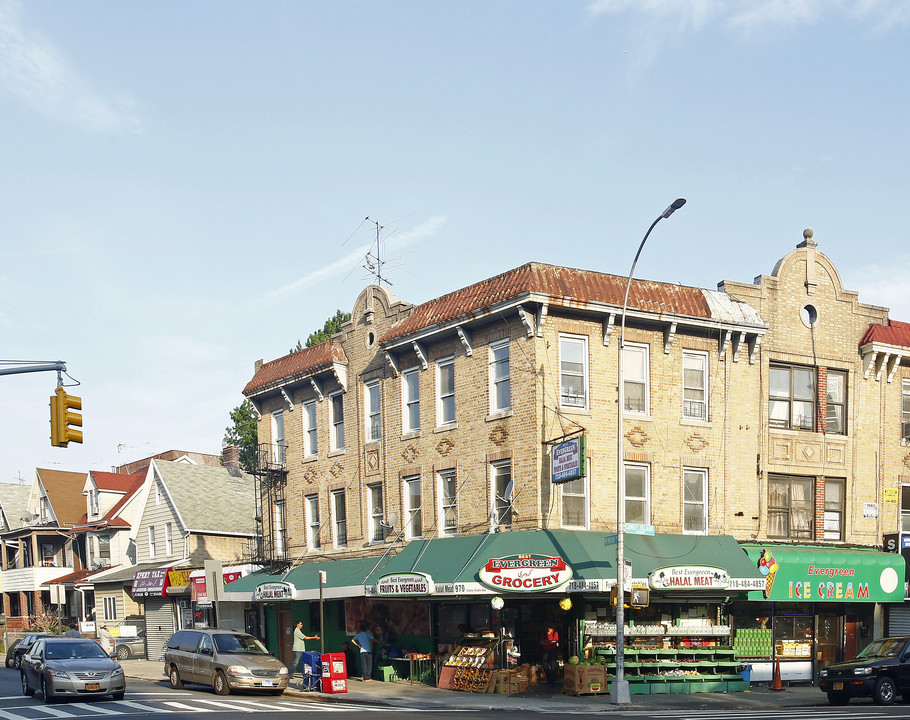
x,y
274,591
689,578
404,585
525,573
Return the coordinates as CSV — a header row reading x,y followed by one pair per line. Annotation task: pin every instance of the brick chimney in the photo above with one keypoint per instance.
x,y
230,457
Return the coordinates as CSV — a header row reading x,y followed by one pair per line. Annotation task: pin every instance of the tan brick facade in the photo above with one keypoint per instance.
x,y
735,447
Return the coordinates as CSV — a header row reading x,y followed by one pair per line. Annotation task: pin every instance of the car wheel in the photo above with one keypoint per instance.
x,y
221,684
123,652
48,698
26,690
884,692
174,677
9,661
118,696
838,698
17,662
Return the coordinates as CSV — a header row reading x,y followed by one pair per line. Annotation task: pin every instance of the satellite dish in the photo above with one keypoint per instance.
x,y
393,518
510,486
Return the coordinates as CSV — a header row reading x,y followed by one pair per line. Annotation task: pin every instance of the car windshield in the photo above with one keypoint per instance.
x,y
886,647
72,651
233,643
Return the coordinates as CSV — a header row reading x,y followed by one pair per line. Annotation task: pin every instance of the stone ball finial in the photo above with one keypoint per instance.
x,y
807,233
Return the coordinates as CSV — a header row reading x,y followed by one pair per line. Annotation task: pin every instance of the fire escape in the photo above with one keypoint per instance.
x,y
270,548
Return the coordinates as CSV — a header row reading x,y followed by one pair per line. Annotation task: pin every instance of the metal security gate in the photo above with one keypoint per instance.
x,y
898,620
159,625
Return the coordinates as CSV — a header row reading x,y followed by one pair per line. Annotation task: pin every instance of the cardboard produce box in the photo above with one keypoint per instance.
x,y
584,679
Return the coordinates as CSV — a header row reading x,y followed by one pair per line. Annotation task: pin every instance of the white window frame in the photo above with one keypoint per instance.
x,y
376,512
701,476
281,528
100,556
311,511
412,503
93,500
447,502
278,447
373,410
168,539
641,353
500,376
501,503
336,410
569,490
310,434
339,520
644,500
445,399
410,400
153,548
693,408
577,402
905,411
835,512
109,603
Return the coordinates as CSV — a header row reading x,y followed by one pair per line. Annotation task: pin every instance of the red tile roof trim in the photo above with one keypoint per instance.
x,y
297,365
894,333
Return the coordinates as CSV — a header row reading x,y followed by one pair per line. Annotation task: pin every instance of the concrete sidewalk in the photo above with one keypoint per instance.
x,y
404,694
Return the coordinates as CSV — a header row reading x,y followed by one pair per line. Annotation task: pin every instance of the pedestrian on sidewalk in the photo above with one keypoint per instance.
x,y
299,647
105,639
549,642
365,641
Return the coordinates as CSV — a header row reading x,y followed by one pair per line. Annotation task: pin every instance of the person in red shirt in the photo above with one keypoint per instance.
x,y
549,642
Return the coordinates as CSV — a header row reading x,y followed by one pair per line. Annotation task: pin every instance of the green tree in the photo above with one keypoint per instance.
x,y
331,326
243,434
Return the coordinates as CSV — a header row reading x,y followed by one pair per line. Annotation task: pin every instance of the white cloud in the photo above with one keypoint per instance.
x,y
884,285
34,70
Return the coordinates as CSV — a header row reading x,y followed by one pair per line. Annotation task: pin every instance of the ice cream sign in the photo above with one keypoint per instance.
x,y
689,578
525,573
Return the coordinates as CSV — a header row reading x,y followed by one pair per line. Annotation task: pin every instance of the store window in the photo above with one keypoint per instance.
x,y
695,385
792,397
501,485
834,509
638,493
575,503
695,501
791,507
377,516
837,402
410,400
500,383
448,502
573,371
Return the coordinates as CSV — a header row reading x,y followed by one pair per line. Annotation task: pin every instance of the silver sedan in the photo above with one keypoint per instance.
x,y
59,667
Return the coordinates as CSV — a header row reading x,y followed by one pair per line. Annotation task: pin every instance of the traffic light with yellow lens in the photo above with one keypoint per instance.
x,y
63,416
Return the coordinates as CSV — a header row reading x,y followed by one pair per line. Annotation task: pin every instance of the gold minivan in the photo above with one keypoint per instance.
x,y
225,659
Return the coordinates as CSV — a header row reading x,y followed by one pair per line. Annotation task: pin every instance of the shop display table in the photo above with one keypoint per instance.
x,y
420,669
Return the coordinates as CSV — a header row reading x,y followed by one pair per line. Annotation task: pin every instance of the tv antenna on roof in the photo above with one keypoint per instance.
x,y
373,263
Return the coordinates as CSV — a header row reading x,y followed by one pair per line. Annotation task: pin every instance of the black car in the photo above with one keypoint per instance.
x,y
881,671
11,651
23,647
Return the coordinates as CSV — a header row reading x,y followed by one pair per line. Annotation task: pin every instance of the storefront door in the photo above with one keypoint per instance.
x,y
828,634
285,637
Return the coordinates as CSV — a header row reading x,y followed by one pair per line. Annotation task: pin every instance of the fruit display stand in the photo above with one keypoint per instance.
x,y
469,667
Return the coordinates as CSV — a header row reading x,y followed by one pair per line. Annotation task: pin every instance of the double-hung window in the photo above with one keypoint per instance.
x,y
905,508
638,493
445,392
168,539
501,485
695,501
695,385
373,411
837,402
410,401
575,501
500,383
377,516
413,525
636,378
110,607
791,507
310,447
905,410
281,529
278,437
834,509
792,397
336,408
573,371
311,509
104,549
448,504
153,545
339,519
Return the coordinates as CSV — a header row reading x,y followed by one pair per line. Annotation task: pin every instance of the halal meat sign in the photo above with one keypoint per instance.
x,y
525,573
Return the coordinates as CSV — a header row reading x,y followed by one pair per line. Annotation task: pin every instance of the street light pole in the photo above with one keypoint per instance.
x,y
619,694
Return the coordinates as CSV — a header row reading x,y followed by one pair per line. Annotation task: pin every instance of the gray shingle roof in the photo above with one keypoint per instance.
x,y
14,500
210,499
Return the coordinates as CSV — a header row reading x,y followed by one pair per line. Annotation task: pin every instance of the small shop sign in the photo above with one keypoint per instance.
x,y
567,460
274,591
404,585
525,573
689,578
150,583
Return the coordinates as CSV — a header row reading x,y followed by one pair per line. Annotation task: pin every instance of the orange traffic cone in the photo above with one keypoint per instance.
x,y
776,684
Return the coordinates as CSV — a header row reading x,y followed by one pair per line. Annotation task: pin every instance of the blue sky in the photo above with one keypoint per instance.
x,y
184,185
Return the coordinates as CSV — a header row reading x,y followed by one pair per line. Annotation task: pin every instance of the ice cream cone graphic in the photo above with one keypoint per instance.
x,y
769,579
768,567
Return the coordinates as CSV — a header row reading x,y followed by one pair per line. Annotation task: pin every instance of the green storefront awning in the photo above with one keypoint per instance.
x,y
821,574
